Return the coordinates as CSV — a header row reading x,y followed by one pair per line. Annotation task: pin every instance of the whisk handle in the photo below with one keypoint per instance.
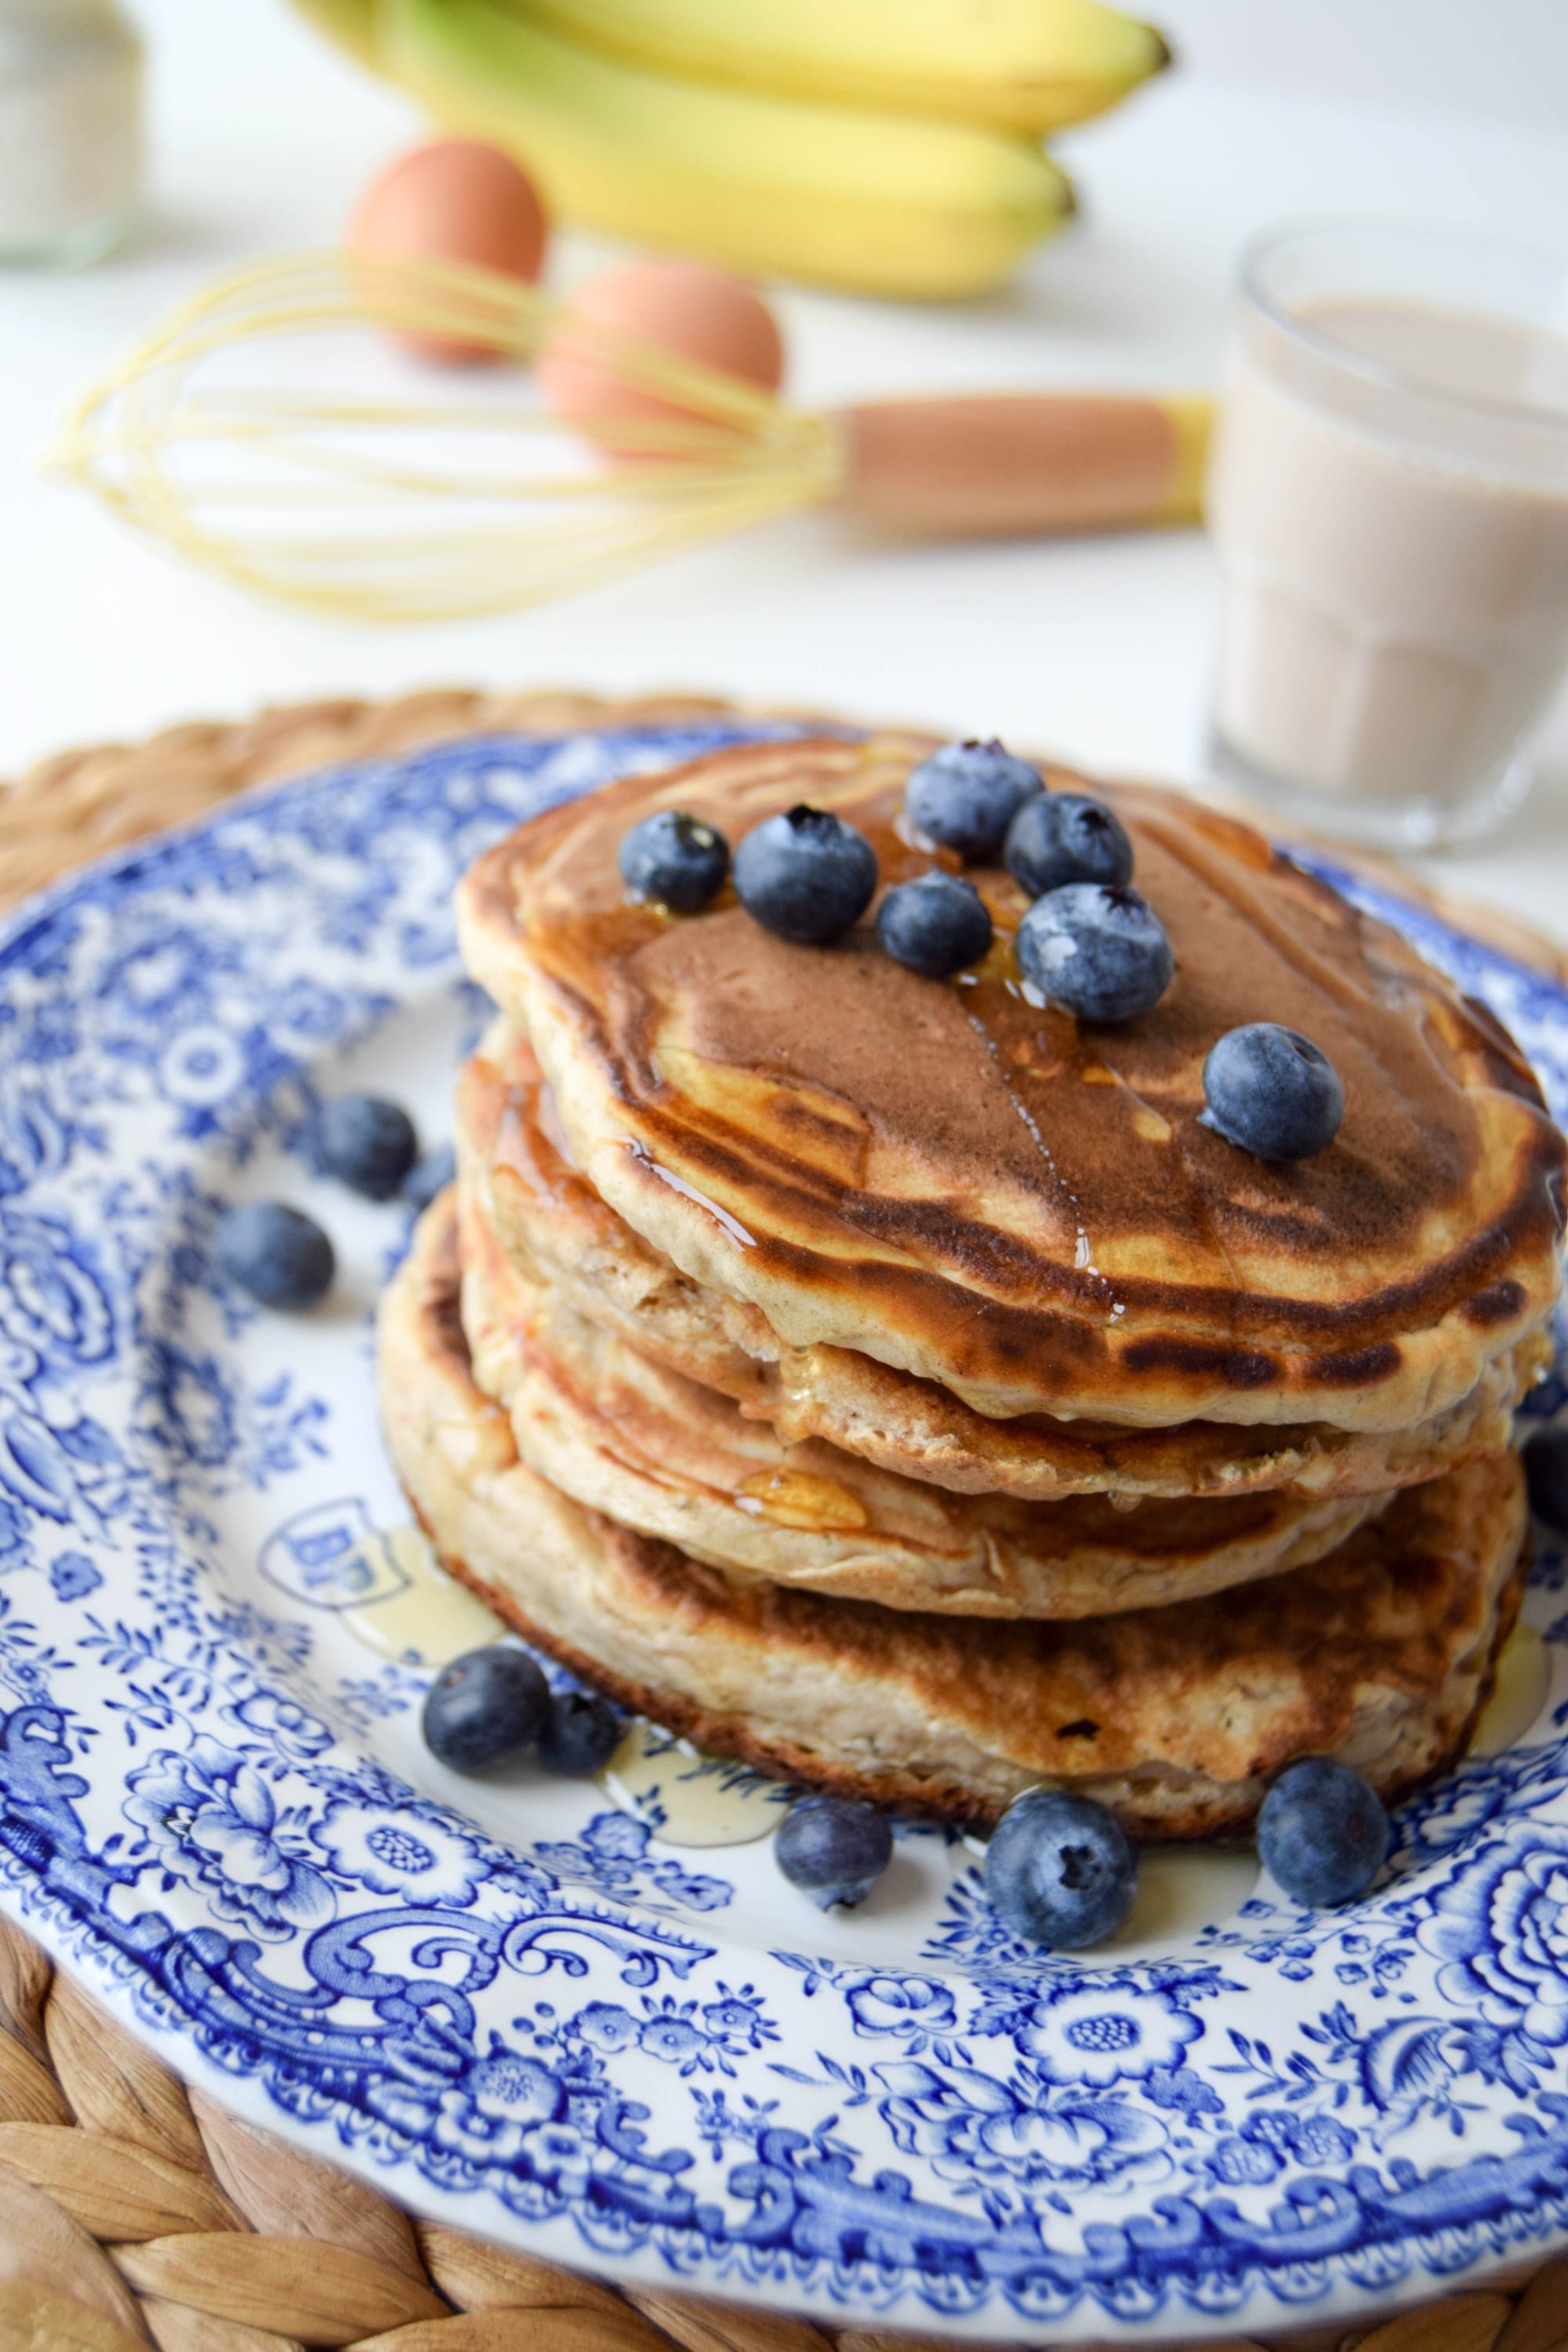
x,y
1015,465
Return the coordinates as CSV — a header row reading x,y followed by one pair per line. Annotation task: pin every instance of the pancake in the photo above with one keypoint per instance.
x,y
671,1458
559,1235
981,1190
1381,1655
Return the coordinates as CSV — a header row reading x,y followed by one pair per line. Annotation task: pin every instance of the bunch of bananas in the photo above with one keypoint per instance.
x,y
888,146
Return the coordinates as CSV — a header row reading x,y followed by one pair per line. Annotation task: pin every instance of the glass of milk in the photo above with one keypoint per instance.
x,y
1388,502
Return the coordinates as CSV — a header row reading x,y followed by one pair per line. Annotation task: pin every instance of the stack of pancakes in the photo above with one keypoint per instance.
x,y
891,1382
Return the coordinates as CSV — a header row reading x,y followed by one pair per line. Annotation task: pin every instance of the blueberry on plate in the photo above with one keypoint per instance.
x,y
1060,1870
486,1705
835,1848
1322,1833
429,1176
1062,837
675,859
1272,1092
279,1255
581,1735
367,1143
967,794
938,924
1096,949
1545,1459
805,875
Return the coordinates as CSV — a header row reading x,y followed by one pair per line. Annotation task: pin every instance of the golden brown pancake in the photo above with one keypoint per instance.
x,y
561,1236
669,1457
1381,1655
982,1191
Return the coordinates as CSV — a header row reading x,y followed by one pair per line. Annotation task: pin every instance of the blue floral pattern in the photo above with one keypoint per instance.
x,y
214,1820
570,2033
1501,1925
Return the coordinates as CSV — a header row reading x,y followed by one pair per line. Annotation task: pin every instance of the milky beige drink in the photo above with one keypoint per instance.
x,y
1388,499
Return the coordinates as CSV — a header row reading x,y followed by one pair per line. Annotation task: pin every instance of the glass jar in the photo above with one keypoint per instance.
x,y
71,130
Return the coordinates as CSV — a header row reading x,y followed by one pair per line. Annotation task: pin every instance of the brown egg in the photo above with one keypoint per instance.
x,y
455,200
682,306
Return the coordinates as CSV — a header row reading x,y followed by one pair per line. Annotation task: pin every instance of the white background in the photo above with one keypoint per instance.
x,y
1508,58
1096,651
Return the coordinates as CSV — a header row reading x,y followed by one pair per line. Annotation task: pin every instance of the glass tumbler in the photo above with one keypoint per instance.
x,y
1387,502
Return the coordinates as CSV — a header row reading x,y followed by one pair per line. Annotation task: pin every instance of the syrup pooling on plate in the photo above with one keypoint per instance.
x,y
1519,1692
420,1616
415,1611
687,1797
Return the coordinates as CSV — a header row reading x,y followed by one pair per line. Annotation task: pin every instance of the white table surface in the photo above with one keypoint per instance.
x,y
1096,651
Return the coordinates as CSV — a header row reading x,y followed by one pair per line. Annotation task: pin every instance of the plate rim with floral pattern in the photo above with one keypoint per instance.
x,y
1297,2120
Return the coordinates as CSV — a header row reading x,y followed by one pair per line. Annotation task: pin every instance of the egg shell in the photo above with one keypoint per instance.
x,y
705,314
454,200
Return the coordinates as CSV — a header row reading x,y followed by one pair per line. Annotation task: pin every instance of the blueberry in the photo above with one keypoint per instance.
x,y
1062,838
1545,1459
1060,1870
583,1733
1272,1092
836,1848
280,1256
805,875
486,1704
367,1143
675,859
429,1176
1322,1833
967,794
1097,948
937,924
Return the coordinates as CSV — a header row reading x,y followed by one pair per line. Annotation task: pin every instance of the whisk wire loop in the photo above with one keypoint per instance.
x,y
401,507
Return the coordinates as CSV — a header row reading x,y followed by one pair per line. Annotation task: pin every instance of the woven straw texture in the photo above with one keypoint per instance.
x,y
134,2212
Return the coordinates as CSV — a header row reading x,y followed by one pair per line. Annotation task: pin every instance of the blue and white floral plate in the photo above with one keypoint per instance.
x,y
508,2004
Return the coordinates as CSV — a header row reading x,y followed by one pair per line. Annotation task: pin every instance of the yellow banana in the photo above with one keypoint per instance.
x,y
349,22
880,203
1024,65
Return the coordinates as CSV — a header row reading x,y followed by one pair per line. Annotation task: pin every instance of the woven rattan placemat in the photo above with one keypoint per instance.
x,y
132,2210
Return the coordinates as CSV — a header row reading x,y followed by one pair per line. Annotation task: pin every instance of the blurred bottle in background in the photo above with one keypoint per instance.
x,y
71,130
